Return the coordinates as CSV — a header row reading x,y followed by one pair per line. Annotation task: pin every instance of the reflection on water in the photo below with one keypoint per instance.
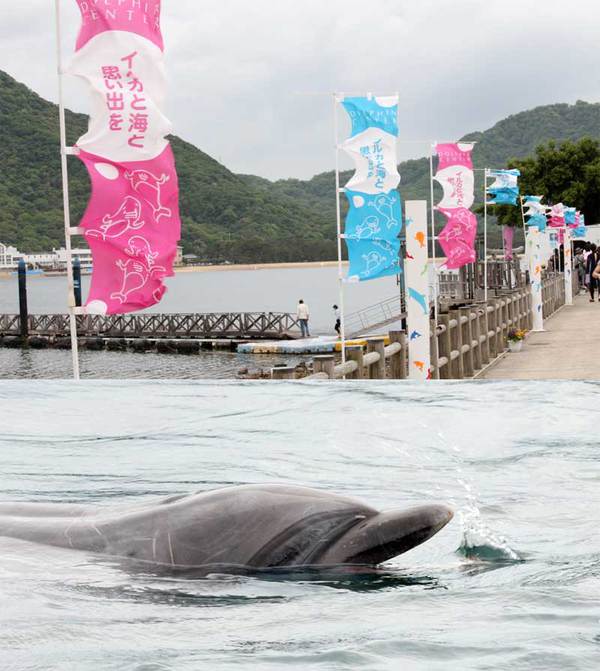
x,y
458,601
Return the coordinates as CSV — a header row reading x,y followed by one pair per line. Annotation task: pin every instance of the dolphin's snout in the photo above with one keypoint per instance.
x,y
442,515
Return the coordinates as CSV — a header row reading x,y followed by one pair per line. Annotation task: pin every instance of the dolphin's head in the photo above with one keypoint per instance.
x,y
376,539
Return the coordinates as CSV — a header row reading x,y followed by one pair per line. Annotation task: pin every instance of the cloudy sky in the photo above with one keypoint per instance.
x,y
250,80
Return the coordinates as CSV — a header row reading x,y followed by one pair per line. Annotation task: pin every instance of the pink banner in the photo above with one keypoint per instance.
x,y
508,233
458,238
455,175
134,16
132,222
557,216
451,155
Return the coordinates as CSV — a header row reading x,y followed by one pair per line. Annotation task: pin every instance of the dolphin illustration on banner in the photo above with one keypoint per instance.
x,y
132,222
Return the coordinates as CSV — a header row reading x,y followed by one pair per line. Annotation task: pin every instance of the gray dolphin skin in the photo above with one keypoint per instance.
x,y
251,527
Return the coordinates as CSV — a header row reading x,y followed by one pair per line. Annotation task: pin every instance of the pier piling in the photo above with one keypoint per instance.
x,y
23,312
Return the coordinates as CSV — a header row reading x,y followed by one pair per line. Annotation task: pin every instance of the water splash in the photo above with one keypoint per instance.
x,y
479,541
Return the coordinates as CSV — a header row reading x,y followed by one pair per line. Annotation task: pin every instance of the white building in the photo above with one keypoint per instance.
x,y
44,260
83,253
54,260
9,256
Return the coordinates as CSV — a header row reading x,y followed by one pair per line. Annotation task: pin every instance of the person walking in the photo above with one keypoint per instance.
x,y
592,262
579,263
596,272
303,314
338,320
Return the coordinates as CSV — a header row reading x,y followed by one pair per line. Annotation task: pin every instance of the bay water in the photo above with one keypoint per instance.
x,y
512,583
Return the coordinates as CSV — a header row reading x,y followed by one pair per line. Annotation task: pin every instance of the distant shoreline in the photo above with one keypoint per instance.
x,y
257,266
218,268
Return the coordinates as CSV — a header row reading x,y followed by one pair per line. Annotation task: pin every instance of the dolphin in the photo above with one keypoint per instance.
x,y
248,527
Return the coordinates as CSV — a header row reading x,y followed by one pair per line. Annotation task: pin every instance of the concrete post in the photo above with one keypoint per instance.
x,y
377,370
325,364
355,353
398,362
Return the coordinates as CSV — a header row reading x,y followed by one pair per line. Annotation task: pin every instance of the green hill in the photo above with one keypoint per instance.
x,y
241,218
514,137
223,216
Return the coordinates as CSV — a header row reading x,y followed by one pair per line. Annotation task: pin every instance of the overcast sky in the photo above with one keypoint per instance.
x,y
245,75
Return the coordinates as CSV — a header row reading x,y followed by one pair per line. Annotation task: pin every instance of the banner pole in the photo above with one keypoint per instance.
x,y
485,236
523,215
433,240
66,204
339,226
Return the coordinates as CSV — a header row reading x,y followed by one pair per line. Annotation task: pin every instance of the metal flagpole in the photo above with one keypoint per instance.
x,y
433,239
485,236
65,183
339,225
523,215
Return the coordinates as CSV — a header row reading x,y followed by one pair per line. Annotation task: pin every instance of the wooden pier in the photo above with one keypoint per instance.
x,y
238,326
467,340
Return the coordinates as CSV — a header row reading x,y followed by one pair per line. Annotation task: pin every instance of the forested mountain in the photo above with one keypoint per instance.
x,y
513,138
239,218
223,216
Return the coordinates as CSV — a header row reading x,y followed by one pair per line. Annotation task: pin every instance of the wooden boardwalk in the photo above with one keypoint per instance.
x,y
240,326
569,348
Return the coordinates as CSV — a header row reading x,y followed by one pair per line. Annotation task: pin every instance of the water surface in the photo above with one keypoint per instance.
x,y
511,583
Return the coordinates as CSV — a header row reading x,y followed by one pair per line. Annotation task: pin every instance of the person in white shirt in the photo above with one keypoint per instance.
x,y
338,320
303,314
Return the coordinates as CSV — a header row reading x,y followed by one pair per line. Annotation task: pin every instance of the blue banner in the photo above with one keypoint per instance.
x,y
505,190
536,212
374,220
372,259
581,230
368,113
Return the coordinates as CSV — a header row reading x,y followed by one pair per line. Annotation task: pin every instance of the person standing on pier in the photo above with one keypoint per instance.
x,y
303,314
338,320
592,262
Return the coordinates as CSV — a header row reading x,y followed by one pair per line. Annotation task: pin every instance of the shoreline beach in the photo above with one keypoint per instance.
x,y
6,274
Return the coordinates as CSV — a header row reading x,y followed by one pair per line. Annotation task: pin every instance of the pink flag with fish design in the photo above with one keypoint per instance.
x,y
455,175
132,222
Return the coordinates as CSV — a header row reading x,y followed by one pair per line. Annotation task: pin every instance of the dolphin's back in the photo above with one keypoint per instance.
x,y
257,526
252,526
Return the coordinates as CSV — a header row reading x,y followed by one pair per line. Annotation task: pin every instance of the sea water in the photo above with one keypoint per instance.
x,y
265,290
512,583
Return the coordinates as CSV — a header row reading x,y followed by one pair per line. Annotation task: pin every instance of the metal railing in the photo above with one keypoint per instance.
x,y
256,325
375,316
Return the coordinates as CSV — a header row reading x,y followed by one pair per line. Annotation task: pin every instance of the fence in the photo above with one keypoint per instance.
x,y
255,325
359,365
466,340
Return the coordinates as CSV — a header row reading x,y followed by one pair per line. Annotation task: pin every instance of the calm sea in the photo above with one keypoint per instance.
x,y
269,290
512,583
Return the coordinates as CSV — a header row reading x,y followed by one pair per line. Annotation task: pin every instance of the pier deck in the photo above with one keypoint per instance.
x,y
568,349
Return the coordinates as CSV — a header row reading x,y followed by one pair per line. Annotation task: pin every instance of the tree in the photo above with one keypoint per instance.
x,y
567,173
